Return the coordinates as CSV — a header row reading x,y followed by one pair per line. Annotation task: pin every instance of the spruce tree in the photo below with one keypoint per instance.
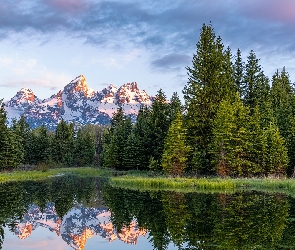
x,y
231,143
175,151
11,153
157,127
283,105
239,67
274,151
121,127
210,80
84,148
63,144
175,106
140,131
256,91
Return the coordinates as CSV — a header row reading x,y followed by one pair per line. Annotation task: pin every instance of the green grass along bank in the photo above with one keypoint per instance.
x,y
143,181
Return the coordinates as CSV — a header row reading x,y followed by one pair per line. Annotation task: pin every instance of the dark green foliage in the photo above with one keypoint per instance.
x,y
114,151
239,67
157,127
176,151
11,151
84,148
63,144
210,80
256,83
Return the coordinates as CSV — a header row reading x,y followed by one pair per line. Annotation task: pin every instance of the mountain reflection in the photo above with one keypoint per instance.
x,y
73,210
77,225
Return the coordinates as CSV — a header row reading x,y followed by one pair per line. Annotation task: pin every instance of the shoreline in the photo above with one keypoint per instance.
x,y
143,181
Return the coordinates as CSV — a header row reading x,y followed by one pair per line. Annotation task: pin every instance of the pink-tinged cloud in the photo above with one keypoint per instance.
x,y
273,10
67,5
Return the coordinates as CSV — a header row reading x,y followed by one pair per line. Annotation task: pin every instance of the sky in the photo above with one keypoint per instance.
x,y
44,44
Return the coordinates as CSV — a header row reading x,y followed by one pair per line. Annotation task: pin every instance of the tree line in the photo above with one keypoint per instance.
x,y
67,146
235,121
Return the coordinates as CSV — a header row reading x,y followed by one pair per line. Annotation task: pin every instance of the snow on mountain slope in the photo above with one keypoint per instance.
x,y
77,103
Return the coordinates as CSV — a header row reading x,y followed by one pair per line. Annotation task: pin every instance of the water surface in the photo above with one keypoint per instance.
x,y
87,213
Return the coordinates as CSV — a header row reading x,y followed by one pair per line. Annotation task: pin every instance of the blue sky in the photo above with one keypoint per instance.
x,y
47,43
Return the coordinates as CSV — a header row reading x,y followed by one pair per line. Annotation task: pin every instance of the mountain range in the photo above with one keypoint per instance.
x,y
78,225
77,103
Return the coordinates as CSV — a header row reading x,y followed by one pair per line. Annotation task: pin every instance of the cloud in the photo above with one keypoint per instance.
x,y
171,62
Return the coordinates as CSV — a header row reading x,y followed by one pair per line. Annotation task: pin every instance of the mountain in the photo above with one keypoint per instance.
x,y
77,103
78,225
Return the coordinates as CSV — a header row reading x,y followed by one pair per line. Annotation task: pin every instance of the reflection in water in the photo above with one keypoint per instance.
x,y
77,209
77,226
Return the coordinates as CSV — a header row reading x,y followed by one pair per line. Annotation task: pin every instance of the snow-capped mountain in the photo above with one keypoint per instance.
x,y
77,103
77,226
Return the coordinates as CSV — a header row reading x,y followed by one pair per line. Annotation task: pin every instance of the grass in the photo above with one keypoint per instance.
x,y
41,175
205,184
144,181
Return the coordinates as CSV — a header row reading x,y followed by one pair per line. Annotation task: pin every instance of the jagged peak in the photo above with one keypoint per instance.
x,y
26,90
79,84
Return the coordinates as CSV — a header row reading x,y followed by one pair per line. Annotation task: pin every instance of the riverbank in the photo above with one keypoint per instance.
x,y
146,181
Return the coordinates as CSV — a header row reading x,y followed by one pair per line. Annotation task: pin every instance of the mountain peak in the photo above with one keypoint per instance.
x,y
24,97
79,85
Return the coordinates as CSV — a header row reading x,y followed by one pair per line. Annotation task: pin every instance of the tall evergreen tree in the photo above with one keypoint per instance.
x,y
274,151
11,154
84,148
63,144
210,81
256,83
231,143
239,67
175,106
157,127
176,151
283,105
121,127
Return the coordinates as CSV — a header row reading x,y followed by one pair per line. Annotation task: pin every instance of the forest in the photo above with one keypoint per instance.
x,y
234,122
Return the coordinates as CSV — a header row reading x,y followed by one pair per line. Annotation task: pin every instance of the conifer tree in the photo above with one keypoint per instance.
x,y
132,153
175,151
121,127
210,81
84,148
256,83
140,131
175,106
230,146
157,127
239,67
63,144
275,155
11,154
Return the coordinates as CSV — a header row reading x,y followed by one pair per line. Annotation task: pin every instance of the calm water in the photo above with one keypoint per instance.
x,y
76,213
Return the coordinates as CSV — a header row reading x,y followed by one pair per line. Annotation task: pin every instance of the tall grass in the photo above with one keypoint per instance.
x,y
173,183
205,184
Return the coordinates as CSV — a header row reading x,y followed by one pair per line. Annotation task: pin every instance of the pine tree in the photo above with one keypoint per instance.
x,y
157,127
275,155
210,80
132,154
283,105
141,134
239,67
175,152
256,83
11,154
175,106
230,146
63,144
84,148
121,127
